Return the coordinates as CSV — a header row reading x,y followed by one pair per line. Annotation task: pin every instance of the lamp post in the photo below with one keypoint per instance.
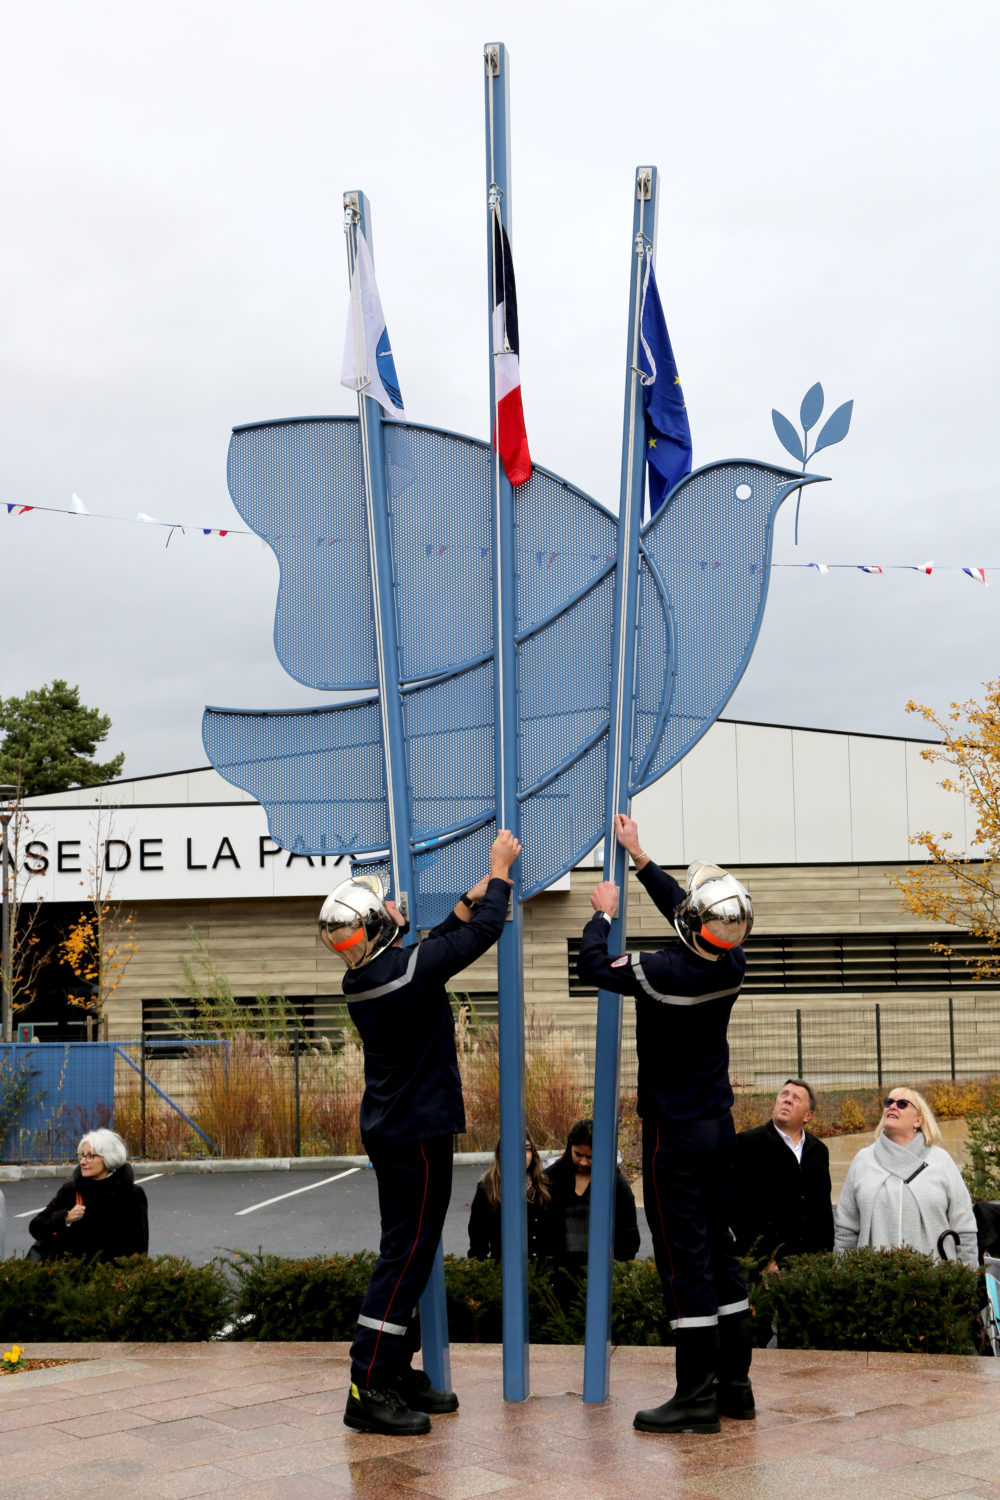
x,y
7,794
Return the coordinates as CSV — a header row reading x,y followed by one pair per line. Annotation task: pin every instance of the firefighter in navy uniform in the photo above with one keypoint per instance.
x,y
411,1110
683,999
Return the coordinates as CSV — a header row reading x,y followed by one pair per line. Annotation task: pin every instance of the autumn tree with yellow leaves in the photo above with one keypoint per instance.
x,y
101,942
958,888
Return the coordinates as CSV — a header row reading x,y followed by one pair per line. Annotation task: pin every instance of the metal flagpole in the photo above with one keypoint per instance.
x,y
357,220
597,1346
510,960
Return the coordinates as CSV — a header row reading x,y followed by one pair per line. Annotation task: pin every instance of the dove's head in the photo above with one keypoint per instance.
x,y
771,485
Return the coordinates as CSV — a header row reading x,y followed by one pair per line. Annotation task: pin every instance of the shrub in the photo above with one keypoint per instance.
x,y
982,1176
17,1094
891,1300
950,1099
473,1293
318,1299
333,1080
299,1300
167,1137
851,1117
160,1300
245,1098
556,1080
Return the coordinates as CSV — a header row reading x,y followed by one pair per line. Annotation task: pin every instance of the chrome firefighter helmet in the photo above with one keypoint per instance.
x,y
355,923
717,914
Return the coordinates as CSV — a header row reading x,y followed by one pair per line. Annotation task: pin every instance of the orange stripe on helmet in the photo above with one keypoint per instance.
x,y
350,942
707,937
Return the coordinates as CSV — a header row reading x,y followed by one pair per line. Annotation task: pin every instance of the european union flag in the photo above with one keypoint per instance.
x,y
668,436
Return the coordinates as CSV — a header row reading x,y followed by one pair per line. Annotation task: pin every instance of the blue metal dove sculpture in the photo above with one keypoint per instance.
x,y
320,772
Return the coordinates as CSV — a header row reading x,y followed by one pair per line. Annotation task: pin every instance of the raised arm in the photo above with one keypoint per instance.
x,y
663,889
477,919
595,965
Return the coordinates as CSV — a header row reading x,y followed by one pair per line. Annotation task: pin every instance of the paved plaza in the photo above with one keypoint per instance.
x,y
264,1420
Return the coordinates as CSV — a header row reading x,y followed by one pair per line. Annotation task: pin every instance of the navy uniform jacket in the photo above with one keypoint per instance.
x,y
682,1008
399,1004
779,1206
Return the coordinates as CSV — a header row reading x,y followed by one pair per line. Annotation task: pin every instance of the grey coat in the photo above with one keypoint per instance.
x,y
904,1195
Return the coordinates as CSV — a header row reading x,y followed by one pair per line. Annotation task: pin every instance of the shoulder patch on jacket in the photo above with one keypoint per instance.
x,y
620,963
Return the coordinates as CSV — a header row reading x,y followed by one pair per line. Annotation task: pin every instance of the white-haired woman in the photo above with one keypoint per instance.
x,y
905,1189
99,1214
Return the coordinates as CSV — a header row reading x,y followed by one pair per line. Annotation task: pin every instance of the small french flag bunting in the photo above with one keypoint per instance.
x,y
870,568
821,568
978,574
927,568
79,509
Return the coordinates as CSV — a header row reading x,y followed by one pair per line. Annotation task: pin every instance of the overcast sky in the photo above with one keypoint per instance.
x,y
173,263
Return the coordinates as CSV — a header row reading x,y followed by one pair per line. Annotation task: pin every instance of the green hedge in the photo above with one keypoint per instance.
x,y
136,1299
868,1299
319,1299
890,1300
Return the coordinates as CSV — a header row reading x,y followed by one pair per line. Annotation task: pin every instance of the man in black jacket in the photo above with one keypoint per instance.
x,y
684,996
781,1196
411,1109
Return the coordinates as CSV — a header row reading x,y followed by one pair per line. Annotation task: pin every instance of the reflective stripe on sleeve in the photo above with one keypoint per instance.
x,y
656,994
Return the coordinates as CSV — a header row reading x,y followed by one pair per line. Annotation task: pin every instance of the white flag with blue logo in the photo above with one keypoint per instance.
x,y
368,365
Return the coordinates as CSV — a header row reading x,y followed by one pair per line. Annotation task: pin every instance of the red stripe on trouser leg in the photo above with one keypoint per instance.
x,y
416,1239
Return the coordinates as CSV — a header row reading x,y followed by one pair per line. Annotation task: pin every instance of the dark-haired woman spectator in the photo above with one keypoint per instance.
x,y
484,1216
99,1214
568,1219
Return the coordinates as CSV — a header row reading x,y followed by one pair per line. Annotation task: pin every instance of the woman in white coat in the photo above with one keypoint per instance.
x,y
905,1189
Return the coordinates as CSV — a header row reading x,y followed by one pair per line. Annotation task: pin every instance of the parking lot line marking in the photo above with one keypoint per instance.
x,y
294,1193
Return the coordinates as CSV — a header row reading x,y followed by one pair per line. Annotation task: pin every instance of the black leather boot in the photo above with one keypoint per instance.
x,y
383,1411
735,1394
693,1406
416,1390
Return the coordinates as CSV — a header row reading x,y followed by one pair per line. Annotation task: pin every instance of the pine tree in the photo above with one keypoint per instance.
x,y
50,739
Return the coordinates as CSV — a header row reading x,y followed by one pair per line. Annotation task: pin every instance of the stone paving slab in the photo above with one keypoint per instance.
x,y
265,1420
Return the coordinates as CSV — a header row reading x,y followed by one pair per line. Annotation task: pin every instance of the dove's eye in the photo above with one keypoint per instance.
x,y
743,492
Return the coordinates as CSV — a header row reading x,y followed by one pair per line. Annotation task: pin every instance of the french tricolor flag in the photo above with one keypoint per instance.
x,y
978,575
509,438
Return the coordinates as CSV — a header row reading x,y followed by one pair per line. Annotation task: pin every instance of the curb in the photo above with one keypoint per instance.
x,y
209,1164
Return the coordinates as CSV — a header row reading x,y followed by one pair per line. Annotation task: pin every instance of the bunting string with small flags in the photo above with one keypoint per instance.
x,y
437,548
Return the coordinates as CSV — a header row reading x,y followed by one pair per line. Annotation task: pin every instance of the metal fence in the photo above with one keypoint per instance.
x,y
255,1097
847,1046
